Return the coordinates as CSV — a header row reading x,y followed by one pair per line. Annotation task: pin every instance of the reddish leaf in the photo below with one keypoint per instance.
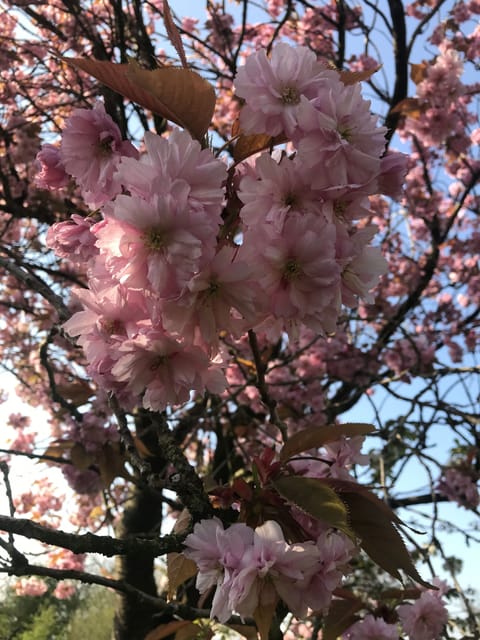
x,y
182,522
373,522
408,107
179,570
247,145
418,72
114,75
142,450
400,594
263,616
173,34
315,437
179,95
58,448
236,127
315,497
351,77
185,97
111,463
80,458
341,616
242,489
77,392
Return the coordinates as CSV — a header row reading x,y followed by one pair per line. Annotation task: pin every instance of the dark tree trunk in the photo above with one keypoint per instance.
x,y
135,618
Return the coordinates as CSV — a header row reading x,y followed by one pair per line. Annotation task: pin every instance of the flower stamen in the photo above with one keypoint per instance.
x,y
290,95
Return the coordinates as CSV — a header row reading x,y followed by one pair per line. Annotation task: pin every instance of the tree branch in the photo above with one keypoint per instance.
x,y
89,542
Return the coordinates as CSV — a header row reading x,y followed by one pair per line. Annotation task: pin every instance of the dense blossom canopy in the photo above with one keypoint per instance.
x,y
218,267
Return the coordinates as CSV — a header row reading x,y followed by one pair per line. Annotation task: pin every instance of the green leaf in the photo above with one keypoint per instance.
x,y
315,437
315,497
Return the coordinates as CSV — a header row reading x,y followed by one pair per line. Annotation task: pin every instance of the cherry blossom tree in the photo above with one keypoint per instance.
x,y
236,249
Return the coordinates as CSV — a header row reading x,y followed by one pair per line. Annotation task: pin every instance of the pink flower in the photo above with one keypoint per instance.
x,y
30,587
251,568
86,482
297,271
155,244
442,83
73,239
222,297
66,560
408,356
459,487
170,162
91,149
270,569
111,313
164,371
23,441
19,421
393,169
273,88
64,590
202,547
362,264
371,628
335,552
275,191
51,172
339,141
343,453
425,618
218,554
221,35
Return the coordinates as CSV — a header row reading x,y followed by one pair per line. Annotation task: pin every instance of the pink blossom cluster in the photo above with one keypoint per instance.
x,y
94,433
333,460
31,586
90,151
426,618
23,438
371,627
66,560
460,487
251,568
42,502
443,100
165,287
299,209
410,355
64,590
423,619
149,260
83,481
